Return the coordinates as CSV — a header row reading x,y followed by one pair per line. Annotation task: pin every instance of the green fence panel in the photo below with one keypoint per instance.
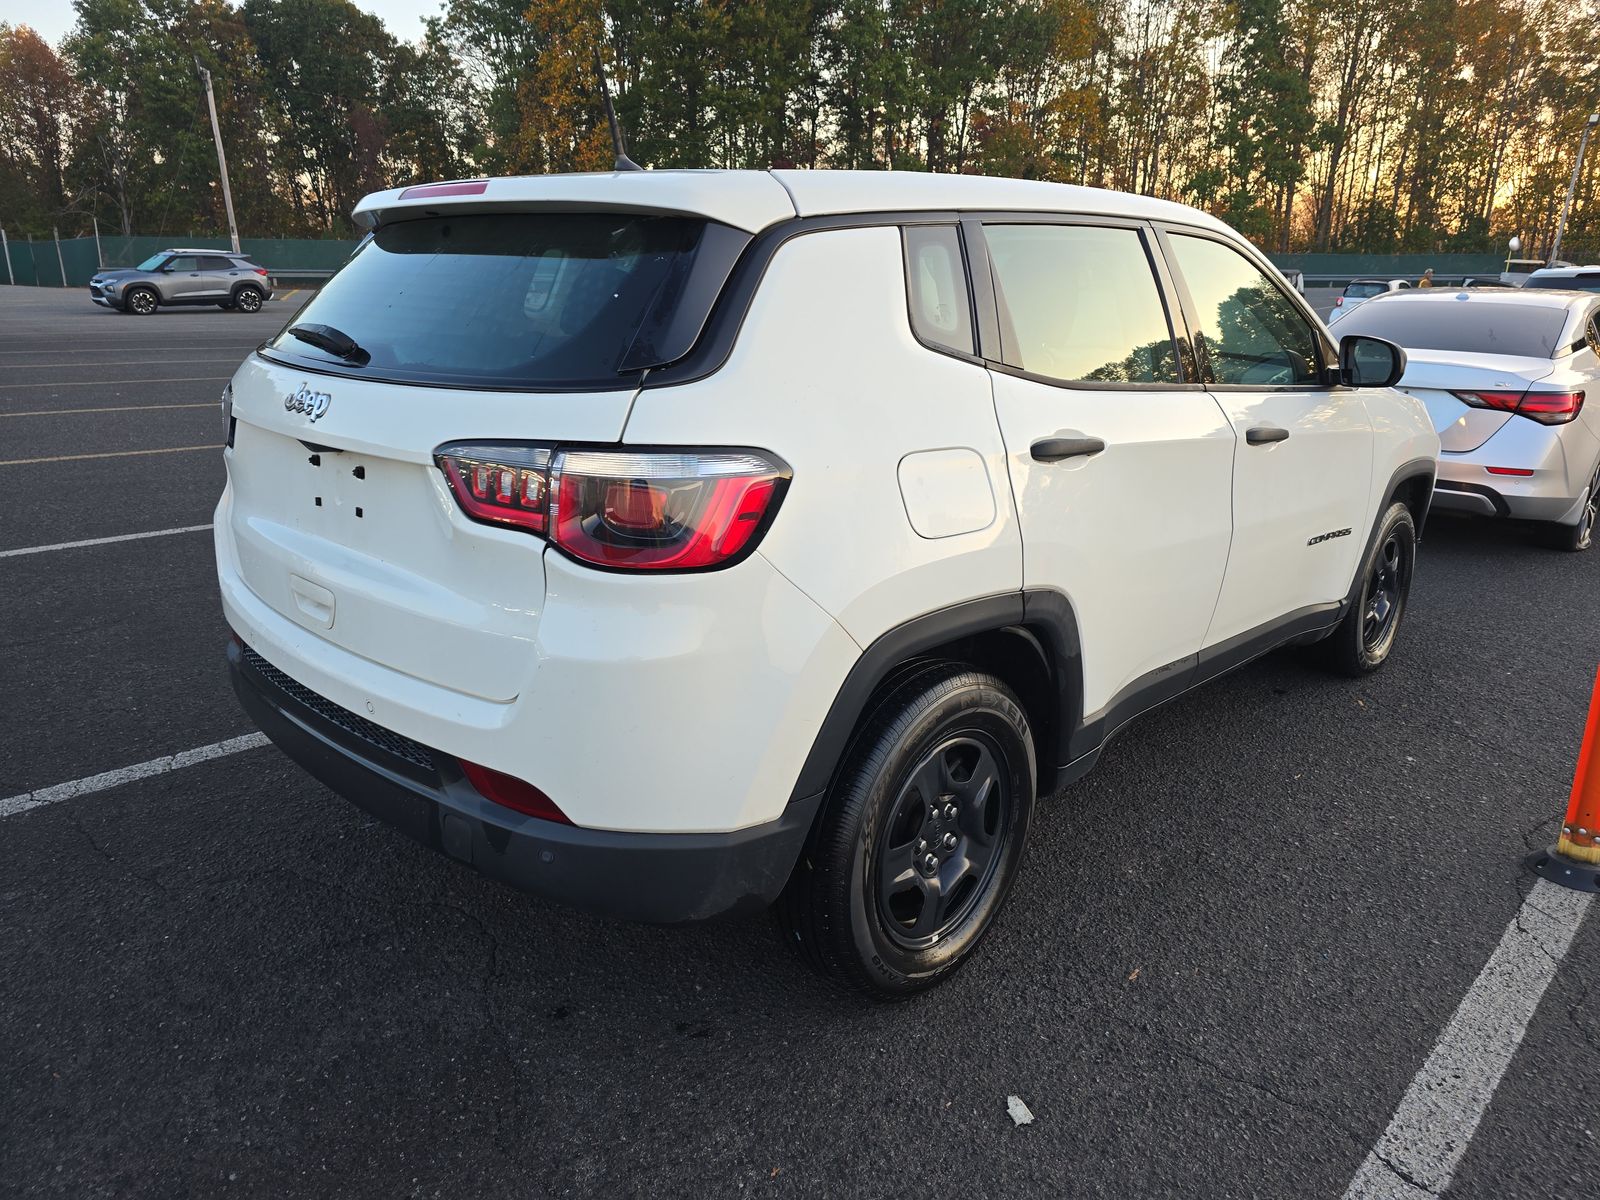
x,y
36,264
1390,266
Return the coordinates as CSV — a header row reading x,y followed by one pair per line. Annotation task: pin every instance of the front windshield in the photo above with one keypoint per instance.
x,y
151,263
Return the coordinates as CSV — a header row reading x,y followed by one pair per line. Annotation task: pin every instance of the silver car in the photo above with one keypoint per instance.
x,y
1512,381
184,277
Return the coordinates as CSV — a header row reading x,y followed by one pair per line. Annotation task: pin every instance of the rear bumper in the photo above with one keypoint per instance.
x,y
664,878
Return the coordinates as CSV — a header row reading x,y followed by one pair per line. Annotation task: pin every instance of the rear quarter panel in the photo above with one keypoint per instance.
x,y
826,373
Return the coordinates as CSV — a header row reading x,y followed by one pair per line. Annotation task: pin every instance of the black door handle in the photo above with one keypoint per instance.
x,y
1054,449
1265,435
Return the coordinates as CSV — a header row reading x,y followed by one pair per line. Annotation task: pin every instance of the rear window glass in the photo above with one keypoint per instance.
x,y
1583,281
1485,327
1364,291
499,300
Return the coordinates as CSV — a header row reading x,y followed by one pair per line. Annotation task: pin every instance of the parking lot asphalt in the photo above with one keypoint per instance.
x,y
1231,948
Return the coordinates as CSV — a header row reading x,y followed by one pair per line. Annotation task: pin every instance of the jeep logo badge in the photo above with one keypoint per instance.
x,y
313,404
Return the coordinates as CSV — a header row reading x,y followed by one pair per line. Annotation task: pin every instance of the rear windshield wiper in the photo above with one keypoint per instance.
x,y
326,337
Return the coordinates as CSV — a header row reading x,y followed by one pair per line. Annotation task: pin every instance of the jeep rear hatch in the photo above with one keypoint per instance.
x,y
467,326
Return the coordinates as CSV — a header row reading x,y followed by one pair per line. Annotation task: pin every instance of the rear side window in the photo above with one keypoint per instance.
x,y
1582,281
511,300
216,264
1080,303
1474,326
936,287
1251,333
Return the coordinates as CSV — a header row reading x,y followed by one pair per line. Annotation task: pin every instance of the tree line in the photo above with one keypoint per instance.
x,y
1339,125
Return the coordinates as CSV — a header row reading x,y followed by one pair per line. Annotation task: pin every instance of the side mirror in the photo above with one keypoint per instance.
x,y
1370,362
165,268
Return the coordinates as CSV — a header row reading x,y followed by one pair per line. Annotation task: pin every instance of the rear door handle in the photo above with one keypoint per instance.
x,y
1265,435
1054,449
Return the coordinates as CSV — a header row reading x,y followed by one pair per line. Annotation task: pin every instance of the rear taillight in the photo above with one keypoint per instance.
x,y
260,270
625,510
1551,408
1338,301
1548,408
510,792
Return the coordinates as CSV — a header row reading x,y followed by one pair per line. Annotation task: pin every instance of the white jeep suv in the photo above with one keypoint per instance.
x,y
671,543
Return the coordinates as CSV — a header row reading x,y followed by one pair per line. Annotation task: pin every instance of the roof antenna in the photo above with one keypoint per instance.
x,y
623,163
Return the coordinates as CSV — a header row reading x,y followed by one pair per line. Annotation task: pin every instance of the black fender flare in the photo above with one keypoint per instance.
x,y
1045,617
1416,468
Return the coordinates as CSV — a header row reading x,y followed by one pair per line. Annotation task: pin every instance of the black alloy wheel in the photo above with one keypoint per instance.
x,y
941,842
920,837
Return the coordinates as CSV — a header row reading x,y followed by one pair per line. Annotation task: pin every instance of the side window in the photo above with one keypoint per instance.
x,y
213,263
1249,330
1080,303
1591,333
184,263
936,287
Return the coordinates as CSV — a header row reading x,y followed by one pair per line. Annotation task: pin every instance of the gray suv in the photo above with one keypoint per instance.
x,y
172,277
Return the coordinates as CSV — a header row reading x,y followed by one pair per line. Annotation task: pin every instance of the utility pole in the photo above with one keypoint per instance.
x,y
99,255
222,159
6,247
1572,186
61,263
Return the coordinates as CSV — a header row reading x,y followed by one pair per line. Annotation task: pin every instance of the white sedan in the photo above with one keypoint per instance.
x,y
1512,381
1358,291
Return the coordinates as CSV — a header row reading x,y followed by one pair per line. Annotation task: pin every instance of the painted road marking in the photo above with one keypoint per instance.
x,y
29,801
1429,1134
105,541
61,412
22,462
114,382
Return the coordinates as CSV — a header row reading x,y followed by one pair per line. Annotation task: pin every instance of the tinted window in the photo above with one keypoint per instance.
x,y
1483,326
1583,281
1251,332
1080,303
936,283
186,263
502,300
213,263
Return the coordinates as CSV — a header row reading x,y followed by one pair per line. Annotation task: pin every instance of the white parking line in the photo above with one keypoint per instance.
x,y
105,541
62,412
113,382
1424,1143
29,801
23,462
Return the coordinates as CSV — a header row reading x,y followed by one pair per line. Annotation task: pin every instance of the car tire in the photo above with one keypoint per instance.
x,y
248,300
1577,538
1363,641
141,302
931,806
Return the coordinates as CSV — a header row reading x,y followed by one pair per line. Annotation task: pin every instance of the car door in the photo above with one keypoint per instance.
x,y
180,279
215,281
1303,448
1120,463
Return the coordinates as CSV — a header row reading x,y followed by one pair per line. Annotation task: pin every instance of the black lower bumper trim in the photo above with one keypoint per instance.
x,y
664,878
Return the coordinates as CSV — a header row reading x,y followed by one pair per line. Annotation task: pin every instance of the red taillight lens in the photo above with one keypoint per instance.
x,y
642,511
1338,301
1551,408
661,512
1523,472
500,484
261,270
1504,401
1548,408
510,792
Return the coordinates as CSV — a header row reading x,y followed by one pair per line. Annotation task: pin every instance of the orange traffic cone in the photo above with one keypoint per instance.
x,y
1575,859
